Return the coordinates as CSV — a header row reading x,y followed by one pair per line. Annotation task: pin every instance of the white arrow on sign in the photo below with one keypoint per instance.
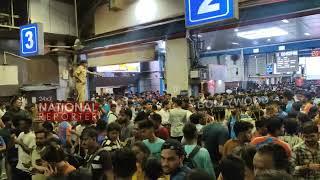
x,y
207,7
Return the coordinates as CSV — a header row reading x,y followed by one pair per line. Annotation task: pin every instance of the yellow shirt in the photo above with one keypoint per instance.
x,y
80,73
139,175
135,177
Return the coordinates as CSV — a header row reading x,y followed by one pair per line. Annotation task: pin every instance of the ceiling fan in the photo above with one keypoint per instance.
x,y
66,49
76,47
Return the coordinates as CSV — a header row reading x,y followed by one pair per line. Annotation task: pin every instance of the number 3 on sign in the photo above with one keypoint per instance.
x,y
207,7
30,43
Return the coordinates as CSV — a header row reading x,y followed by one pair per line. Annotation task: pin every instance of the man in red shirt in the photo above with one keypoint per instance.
x,y
160,131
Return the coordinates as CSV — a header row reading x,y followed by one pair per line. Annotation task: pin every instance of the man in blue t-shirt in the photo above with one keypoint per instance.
x,y
288,98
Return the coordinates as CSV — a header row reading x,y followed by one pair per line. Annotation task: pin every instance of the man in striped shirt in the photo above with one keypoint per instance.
x,y
98,160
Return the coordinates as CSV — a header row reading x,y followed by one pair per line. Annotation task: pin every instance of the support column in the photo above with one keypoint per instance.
x,y
65,78
177,66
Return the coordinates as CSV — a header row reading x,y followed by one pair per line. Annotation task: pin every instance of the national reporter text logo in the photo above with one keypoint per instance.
x,y
68,111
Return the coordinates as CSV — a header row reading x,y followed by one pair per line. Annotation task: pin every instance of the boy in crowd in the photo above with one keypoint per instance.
x,y
98,159
195,119
124,164
178,117
242,131
200,156
26,141
232,168
112,115
104,108
270,157
38,168
291,136
64,133
124,119
307,154
215,136
165,112
160,131
54,160
275,129
261,128
150,139
113,142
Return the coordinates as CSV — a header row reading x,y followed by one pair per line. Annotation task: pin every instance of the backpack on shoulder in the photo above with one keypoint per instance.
x,y
188,161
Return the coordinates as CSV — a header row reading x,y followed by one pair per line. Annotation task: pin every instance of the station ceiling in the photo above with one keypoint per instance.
x,y
298,29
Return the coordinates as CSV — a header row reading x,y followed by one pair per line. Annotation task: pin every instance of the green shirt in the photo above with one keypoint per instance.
x,y
202,160
155,147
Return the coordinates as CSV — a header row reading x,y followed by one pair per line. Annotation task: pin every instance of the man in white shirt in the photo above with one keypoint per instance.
x,y
26,141
112,115
165,112
178,118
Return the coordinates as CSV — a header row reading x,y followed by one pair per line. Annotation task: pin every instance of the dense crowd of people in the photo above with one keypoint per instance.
x,y
271,135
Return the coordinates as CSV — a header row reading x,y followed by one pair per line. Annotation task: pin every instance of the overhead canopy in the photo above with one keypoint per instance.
x,y
139,53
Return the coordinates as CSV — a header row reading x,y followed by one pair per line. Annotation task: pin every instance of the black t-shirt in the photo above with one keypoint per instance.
x,y
180,174
5,133
11,153
99,164
214,135
17,115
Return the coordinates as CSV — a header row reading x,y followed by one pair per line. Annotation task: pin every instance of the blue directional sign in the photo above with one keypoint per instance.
x,y
269,69
201,12
31,40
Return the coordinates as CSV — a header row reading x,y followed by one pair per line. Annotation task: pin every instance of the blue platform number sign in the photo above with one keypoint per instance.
x,y
202,12
269,69
31,40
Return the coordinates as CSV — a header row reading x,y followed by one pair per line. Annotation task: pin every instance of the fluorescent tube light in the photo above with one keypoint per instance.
x,y
262,33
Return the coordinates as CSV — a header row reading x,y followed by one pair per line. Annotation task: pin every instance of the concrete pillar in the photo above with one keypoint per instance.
x,y
177,66
66,83
64,89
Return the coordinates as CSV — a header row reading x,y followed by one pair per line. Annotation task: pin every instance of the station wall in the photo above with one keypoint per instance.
x,y
40,70
57,17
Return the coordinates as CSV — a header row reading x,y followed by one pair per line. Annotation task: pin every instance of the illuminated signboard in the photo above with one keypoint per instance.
x,y
132,67
202,12
31,40
315,53
287,61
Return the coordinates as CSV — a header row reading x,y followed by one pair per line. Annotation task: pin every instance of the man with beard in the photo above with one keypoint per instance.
x,y
172,156
37,165
307,160
127,126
